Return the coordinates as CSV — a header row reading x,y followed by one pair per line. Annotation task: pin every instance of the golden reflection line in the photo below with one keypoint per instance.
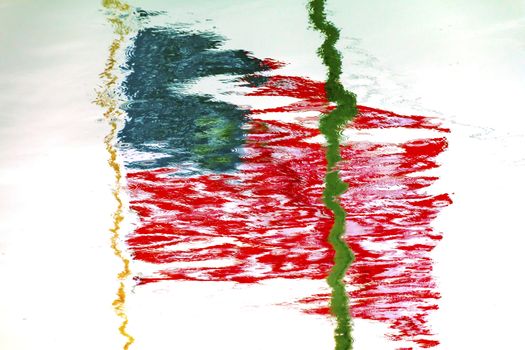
x,y
107,99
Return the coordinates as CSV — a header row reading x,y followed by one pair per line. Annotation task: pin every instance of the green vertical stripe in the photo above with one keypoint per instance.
x,y
331,126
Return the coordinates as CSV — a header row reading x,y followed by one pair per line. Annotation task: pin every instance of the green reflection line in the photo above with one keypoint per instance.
x,y
331,126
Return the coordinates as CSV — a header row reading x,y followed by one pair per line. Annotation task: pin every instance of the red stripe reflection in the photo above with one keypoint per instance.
x,y
267,220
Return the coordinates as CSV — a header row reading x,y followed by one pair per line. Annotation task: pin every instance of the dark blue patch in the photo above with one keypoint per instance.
x,y
164,119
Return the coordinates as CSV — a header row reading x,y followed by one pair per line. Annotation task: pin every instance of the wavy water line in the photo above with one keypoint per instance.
x,y
106,98
331,126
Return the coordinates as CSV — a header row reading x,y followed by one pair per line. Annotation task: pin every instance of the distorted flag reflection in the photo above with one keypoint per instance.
x,y
228,193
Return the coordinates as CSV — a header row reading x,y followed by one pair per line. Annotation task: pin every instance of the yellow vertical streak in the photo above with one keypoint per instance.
x,y
106,98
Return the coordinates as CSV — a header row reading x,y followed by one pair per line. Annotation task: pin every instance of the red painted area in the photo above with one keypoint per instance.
x,y
310,94
267,220
389,228
271,212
